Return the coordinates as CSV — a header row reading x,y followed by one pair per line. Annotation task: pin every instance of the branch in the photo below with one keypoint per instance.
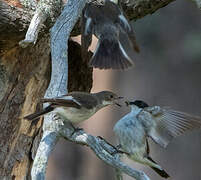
x,y
136,9
45,9
59,79
50,9
118,172
46,146
103,150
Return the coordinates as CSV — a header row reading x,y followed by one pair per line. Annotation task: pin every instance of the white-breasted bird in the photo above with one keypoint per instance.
x,y
116,38
160,124
76,107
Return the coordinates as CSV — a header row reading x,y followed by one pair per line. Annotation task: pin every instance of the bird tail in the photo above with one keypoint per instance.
x,y
38,114
160,171
111,54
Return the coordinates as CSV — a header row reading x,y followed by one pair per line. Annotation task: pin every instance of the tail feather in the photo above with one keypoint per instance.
x,y
161,172
110,54
38,114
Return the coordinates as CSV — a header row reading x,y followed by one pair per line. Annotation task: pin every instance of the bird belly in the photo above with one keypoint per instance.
x,y
130,134
74,115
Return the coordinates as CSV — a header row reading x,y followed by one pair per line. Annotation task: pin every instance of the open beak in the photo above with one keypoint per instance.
x,y
118,104
118,99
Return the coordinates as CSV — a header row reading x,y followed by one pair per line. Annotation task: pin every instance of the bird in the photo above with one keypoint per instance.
x,y
76,106
161,124
116,38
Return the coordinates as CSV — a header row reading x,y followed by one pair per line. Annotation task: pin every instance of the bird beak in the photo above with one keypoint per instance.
x,y
118,99
118,104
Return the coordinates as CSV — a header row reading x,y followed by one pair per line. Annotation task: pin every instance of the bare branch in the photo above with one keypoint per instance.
x,y
46,146
118,173
103,150
45,9
136,9
33,30
59,79
50,8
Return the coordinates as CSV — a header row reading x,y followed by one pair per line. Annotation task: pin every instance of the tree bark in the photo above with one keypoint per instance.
x,y
24,77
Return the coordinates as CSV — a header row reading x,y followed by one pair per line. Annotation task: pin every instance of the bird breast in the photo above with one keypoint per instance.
x,y
74,115
130,133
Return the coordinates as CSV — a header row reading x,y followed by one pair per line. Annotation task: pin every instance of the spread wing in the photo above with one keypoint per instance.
x,y
168,123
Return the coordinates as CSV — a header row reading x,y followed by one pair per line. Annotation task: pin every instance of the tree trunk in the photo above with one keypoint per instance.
x,y
24,77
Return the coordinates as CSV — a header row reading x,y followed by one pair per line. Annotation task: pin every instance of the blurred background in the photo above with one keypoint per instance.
x,y
167,73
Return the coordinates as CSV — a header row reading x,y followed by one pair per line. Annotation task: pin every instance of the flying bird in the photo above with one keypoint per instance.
x,y
76,107
158,123
116,38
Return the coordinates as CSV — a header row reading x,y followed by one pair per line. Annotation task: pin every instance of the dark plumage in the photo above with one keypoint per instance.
x,y
116,44
76,106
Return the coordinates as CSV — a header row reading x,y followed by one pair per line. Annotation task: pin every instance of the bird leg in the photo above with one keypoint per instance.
x,y
116,148
75,129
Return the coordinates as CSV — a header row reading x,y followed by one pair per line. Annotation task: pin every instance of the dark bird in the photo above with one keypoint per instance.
x,y
116,38
160,124
76,107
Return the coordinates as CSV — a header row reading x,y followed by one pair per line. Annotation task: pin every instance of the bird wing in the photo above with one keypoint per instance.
x,y
87,100
65,100
125,25
74,99
86,28
169,123
116,15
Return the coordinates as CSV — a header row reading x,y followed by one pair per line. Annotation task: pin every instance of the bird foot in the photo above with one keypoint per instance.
x,y
116,148
75,129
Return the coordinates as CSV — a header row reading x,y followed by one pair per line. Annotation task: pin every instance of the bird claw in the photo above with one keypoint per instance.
x,y
116,148
75,129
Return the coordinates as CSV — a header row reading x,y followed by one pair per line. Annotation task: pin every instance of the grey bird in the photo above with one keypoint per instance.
x,y
158,123
116,38
76,107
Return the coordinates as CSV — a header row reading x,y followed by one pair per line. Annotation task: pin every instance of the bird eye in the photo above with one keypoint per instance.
x,y
111,96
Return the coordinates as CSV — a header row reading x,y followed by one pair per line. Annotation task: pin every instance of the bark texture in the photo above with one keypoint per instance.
x,y
24,77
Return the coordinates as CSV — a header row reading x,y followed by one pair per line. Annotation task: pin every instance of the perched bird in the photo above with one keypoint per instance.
x,y
160,124
116,39
77,106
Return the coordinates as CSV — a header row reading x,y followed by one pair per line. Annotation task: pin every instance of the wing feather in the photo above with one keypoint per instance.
x,y
86,30
167,123
61,102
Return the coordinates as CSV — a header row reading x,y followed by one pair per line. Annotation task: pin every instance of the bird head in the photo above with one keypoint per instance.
x,y
108,97
138,103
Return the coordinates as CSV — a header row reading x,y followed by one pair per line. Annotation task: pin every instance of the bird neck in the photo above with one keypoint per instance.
x,y
100,100
135,110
